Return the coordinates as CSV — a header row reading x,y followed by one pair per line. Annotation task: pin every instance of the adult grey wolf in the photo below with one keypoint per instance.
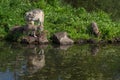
x,y
36,19
35,16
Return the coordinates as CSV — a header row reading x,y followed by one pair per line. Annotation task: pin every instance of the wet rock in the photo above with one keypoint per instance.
x,y
17,29
28,40
84,41
62,38
95,29
31,36
14,33
92,41
102,41
81,41
111,41
42,38
117,39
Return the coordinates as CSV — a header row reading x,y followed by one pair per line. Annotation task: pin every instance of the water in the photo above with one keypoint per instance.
x,y
52,62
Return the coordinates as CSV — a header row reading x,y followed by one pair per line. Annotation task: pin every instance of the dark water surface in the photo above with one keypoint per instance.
x,y
51,62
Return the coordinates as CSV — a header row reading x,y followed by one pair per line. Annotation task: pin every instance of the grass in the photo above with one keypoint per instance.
x,y
58,17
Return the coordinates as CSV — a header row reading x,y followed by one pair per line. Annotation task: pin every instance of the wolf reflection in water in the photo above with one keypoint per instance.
x,y
35,61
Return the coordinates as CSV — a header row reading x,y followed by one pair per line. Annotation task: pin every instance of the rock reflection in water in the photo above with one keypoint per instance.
x,y
62,47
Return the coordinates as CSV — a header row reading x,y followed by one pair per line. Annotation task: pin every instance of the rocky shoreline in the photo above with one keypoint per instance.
x,y
60,38
93,41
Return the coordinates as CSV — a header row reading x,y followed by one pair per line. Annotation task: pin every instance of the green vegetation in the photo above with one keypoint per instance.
x,y
59,16
109,6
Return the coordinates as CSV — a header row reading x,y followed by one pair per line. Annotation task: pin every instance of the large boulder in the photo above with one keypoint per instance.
x,y
40,39
62,38
29,34
17,29
15,33
29,40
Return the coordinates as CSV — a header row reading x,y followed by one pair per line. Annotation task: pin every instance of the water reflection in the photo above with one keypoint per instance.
x,y
35,60
31,60
62,47
47,62
94,49
7,75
